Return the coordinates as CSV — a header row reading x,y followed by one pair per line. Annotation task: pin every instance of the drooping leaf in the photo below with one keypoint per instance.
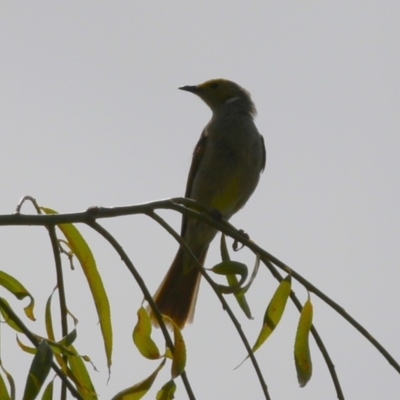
x,y
233,281
61,348
27,349
38,371
11,382
50,330
48,392
85,257
77,371
3,390
81,376
49,318
224,249
179,354
142,336
274,313
57,348
8,318
19,291
167,391
302,355
137,391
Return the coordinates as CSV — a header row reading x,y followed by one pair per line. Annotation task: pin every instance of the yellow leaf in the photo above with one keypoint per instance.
x,y
27,349
274,313
81,376
85,257
19,291
9,318
142,336
137,391
302,354
179,355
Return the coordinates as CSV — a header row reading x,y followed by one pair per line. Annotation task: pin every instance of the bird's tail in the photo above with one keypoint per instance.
x,y
176,297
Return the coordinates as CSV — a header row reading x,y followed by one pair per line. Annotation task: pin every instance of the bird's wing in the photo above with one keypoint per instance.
x,y
197,157
264,154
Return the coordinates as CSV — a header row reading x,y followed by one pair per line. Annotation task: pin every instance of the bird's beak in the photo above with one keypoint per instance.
x,y
192,89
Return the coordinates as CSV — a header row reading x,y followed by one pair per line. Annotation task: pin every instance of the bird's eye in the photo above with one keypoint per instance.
x,y
214,85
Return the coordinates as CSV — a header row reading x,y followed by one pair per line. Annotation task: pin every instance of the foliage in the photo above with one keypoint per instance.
x,y
60,355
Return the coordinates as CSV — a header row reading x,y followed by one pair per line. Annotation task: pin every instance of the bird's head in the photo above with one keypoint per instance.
x,y
222,94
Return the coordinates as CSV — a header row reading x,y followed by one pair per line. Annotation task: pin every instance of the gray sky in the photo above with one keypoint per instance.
x,y
90,115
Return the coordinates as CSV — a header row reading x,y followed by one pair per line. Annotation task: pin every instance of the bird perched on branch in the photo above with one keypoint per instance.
x,y
226,166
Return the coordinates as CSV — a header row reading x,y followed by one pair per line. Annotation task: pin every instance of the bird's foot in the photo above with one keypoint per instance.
x,y
236,244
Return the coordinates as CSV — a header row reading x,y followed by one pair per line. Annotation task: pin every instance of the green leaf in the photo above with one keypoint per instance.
x,y
142,336
68,339
137,391
233,281
231,268
10,382
19,291
3,390
39,370
77,371
81,377
61,347
9,319
49,318
57,348
48,392
224,249
302,356
167,391
85,257
50,330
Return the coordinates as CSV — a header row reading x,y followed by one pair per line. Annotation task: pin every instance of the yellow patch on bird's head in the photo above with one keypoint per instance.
x,y
217,93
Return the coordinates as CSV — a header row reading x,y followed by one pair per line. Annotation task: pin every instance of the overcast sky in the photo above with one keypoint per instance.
x,y
90,115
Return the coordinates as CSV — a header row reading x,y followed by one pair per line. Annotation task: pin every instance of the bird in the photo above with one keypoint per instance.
x,y
226,166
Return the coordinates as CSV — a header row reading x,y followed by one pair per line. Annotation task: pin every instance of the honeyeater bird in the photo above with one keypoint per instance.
x,y
225,170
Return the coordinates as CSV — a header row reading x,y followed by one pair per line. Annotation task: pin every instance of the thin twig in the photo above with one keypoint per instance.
x,y
114,243
182,205
27,198
228,229
61,294
225,305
